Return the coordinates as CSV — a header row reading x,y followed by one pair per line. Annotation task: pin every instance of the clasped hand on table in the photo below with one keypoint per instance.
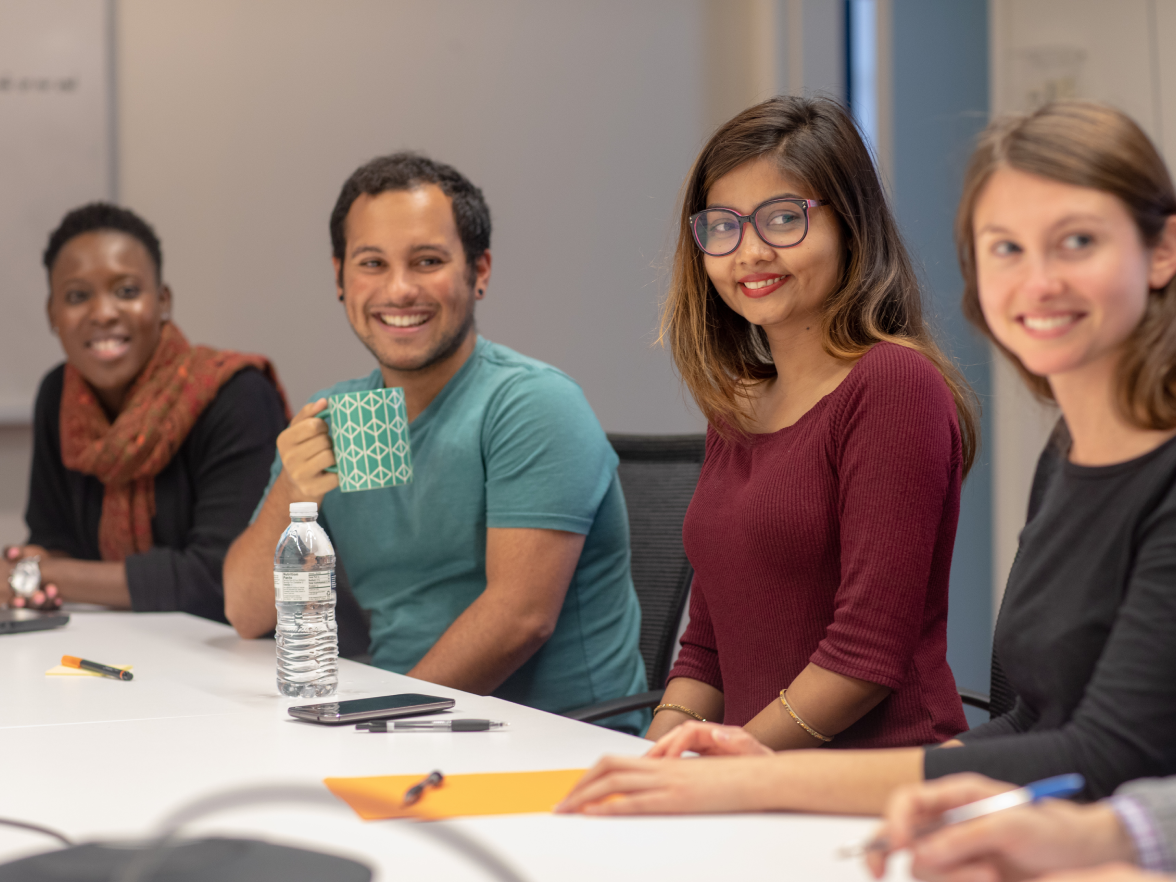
x,y
619,785
47,597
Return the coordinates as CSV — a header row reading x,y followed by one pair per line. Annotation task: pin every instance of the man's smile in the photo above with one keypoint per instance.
x,y
404,321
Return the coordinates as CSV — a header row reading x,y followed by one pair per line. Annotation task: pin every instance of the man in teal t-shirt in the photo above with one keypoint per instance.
x,y
503,567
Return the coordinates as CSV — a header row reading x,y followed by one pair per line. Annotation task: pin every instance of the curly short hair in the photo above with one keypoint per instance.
x,y
103,216
404,171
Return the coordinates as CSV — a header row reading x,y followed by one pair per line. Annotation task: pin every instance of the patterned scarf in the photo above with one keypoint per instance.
x,y
162,405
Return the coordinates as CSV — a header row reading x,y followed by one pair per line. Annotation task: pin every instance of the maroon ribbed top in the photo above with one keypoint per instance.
x,y
830,542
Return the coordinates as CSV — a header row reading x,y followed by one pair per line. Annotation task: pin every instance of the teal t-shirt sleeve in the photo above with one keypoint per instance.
x,y
548,461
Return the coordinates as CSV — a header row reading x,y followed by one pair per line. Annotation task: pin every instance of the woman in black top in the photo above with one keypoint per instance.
x,y
149,455
1067,240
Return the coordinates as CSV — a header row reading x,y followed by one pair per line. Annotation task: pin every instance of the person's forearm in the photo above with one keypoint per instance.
x,y
528,572
855,782
485,645
249,567
88,581
702,698
826,701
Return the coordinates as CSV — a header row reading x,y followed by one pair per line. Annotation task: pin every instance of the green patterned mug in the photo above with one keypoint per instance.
x,y
369,431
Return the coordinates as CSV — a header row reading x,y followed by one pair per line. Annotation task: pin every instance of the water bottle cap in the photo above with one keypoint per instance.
x,y
303,509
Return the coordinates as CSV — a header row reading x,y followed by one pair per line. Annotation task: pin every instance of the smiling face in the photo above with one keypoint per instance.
x,y
775,288
405,281
108,308
1062,271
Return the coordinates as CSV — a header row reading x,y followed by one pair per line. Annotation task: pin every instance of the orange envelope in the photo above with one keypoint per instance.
x,y
493,793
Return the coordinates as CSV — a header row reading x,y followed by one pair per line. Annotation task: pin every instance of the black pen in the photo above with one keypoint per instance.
x,y
429,725
414,793
72,661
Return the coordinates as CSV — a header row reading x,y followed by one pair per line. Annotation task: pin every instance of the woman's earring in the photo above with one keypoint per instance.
x,y
481,293
340,296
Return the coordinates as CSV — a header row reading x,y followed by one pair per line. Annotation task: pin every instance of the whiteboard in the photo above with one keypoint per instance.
x,y
56,152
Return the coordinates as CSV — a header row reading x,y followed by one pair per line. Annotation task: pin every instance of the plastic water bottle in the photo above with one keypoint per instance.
x,y
304,591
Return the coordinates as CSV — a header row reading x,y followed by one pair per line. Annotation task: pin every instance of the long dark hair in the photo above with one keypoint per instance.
x,y
718,352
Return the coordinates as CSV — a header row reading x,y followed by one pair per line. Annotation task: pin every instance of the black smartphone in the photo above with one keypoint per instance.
x,y
13,621
357,710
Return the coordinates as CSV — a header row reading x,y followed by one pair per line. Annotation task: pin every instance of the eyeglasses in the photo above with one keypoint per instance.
x,y
780,223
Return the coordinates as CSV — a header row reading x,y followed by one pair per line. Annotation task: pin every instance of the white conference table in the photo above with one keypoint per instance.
x,y
97,758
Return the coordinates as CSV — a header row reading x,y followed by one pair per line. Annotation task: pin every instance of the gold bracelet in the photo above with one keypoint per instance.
x,y
679,707
799,721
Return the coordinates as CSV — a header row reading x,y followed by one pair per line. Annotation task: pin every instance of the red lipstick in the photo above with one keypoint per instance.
x,y
757,279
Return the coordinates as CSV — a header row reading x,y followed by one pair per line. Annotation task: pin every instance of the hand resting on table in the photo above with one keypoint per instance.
x,y
47,598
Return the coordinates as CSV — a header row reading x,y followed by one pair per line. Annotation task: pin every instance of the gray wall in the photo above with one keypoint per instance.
x,y
238,122
55,140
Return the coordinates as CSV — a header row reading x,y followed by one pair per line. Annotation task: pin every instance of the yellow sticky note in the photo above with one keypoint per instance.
x,y
63,671
492,793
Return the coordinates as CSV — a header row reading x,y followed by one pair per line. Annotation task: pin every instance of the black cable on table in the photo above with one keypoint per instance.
x,y
36,828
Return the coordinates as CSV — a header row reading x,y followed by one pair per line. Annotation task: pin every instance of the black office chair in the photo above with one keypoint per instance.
x,y
1001,698
975,699
658,474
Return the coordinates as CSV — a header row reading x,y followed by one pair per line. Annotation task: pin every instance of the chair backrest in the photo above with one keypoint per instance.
x,y
1002,696
658,475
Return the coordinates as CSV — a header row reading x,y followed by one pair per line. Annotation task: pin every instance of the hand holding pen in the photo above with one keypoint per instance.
x,y
995,844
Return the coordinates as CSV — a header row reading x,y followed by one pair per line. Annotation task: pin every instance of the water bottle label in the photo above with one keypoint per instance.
x,y
303,587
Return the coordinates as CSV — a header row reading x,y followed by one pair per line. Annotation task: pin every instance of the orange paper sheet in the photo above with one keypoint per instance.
x,y
493,793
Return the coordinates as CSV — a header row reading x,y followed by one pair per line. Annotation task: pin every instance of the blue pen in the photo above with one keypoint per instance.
x,y
1058,787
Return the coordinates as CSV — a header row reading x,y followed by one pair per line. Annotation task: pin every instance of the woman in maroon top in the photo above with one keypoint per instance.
x,y
822,528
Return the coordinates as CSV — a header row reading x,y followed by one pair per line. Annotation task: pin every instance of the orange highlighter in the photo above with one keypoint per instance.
x,y
72,661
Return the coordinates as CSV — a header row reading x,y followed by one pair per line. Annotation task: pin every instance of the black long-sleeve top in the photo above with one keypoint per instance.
x,y
1086,635
203,497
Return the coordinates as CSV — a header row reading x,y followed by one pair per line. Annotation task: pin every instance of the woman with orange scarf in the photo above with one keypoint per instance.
x,y
149,454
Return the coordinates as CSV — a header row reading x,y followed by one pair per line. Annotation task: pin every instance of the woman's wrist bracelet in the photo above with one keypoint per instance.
x,y
678,707
799,721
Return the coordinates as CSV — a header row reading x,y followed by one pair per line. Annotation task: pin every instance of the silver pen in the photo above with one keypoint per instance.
x,y
429,725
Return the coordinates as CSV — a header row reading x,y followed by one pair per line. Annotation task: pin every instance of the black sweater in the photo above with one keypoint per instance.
x,y
203,497
1086,635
